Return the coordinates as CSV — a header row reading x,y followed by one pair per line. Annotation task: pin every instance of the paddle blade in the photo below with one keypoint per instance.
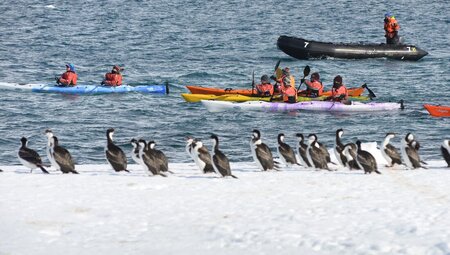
x,y
306,71
277,65
371,94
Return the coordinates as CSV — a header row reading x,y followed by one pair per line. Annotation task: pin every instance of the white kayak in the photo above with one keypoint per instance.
x,y
86,89
321,106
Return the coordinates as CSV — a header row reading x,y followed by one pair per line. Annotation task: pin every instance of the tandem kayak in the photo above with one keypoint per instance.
x,y
320,106
86,89
304,49
195,98
438,110
354,92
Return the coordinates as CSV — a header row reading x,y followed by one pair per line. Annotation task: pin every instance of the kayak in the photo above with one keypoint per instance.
x,y
304,49
248,92
438,110
86,89
320,106
195,98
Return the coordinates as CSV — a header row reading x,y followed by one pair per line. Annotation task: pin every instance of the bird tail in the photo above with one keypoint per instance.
x,y
163,175
170,171
233,176
376,171
74,172
43,170
423,162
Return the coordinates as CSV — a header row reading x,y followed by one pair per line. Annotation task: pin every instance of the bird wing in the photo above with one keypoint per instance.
x,y
319,159
64,159
264,155
161,161
117,159
393,153
222,163
288,153
366,160
30,156
413,156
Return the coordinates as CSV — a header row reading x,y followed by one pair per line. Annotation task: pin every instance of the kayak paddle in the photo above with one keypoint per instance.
x,y
371,94
306,71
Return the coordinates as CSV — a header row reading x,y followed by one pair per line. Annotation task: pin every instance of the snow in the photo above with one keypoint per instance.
x,y
294,211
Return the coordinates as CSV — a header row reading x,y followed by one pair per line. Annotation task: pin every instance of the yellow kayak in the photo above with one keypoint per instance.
x,y
194,98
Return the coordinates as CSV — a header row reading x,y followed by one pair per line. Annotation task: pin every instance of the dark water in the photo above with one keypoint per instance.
x,y
209,43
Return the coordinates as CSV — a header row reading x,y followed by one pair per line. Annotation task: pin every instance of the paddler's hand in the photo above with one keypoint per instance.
x,y
273,77
302,80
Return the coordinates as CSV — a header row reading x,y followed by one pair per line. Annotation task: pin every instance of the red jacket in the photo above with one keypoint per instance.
x,y
68,78
391,27
265,89
287,92
337,92
113,79
314,88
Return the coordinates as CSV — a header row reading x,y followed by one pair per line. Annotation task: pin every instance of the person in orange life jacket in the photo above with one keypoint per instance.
x,y
391,28
69,78
285,79
314,87
339,91
288,93
114,78
265,88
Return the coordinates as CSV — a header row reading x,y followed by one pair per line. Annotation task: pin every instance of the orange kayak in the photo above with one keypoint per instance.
x,y
438,110
353,92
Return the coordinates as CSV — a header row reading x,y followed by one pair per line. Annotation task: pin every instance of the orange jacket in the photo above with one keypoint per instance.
x,y
391,27
289,92
314,88
113,79
68,78
337,92
264,89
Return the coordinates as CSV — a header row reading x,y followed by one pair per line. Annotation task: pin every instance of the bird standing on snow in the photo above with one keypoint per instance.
x,y
339,147
410,152
220,161
161,160
114,154
301,149
316,153
148,158
389,152
285,152
49,149
349,152
62,157
365,160
261,152
135,151
445,149
29,157
202,156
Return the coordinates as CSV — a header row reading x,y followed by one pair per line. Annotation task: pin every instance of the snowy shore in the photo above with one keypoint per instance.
x,y
294,211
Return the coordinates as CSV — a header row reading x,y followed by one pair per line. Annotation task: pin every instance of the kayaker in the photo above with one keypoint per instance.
x,y
265,88
339,91
69,78
391,28
114,78
288,93
286,78
314,87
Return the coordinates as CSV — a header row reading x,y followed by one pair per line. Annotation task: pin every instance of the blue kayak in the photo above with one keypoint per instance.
x,y
87,89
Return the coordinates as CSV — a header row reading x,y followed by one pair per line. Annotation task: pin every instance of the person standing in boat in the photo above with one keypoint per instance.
x,y
314,87
339,92
69,78
265,88
391,28
114,78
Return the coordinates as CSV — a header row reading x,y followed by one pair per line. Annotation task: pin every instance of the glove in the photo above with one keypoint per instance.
x,y
57,80
341,97
273,77
103,82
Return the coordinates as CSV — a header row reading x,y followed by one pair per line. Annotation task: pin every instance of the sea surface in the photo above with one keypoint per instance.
x,y
216,44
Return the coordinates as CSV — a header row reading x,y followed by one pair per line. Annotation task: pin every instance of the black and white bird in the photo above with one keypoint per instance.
x,y
62,157
220,161
261,153
114,154
301,149
339,147
202,156
410,153
148,159
49,149
162,162
190,148
365,160
445,150
135,152
349,152
316,154
389,152
285,152
30,158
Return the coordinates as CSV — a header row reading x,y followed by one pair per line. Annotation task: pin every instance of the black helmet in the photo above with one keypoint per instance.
x,y
315,76
337,81
265,79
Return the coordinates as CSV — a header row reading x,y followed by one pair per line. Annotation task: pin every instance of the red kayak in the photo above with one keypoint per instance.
x,y
353,92
438,110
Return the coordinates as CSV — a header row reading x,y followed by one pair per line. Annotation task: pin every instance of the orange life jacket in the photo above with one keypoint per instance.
x,y
391,27
314,88
69,78
337,92
113,79
264,89
289,94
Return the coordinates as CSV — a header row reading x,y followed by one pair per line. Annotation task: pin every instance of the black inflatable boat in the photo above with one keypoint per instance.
x,y
305,49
